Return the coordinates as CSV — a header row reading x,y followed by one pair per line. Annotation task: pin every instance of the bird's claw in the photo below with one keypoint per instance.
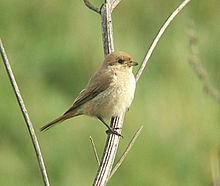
x,y
112,131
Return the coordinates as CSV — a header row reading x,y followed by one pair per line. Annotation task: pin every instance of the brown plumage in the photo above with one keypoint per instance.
x,y
109,92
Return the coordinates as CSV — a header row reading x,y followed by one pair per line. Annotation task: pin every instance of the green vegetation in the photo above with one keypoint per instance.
x,y
55,46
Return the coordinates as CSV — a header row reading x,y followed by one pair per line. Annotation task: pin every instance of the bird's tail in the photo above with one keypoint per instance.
x,y
66,115
47,126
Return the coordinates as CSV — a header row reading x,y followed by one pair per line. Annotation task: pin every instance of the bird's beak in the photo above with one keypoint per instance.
x,y
132,63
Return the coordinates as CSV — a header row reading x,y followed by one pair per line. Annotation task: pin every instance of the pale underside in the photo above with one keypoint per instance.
x,y
112,97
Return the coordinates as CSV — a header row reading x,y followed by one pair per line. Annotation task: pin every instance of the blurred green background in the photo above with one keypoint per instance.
x,y
55,46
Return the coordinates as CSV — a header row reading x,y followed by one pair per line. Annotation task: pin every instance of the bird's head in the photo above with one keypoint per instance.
x,y
119,60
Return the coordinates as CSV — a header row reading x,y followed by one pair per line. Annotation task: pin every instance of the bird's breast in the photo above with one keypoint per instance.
x,y
116,99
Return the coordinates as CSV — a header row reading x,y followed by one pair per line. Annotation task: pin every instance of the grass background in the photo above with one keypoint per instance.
x,y
55,46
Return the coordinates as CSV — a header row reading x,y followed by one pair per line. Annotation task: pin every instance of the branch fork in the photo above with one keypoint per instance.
x,y
112,141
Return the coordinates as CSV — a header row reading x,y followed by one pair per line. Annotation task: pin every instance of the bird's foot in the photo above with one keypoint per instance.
x,y
113,131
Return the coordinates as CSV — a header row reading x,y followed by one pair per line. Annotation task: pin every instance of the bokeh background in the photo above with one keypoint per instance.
x,y
55,46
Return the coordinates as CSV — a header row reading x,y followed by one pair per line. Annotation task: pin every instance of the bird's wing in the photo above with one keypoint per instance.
x,y
97,84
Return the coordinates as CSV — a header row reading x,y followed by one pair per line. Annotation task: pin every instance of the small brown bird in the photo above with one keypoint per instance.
x,y
109,92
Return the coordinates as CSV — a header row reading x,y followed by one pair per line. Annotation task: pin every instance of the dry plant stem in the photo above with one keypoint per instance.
x,y
112,141
114,4
130,145
94,150
107,29
91,6
25,115
199,69
109,154
158,36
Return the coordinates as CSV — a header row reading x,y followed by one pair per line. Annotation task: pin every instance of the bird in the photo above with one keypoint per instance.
x,y
109,92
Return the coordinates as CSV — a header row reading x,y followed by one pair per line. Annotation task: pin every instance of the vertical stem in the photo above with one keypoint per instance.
x,y
25,115
107,29
112,141
109,154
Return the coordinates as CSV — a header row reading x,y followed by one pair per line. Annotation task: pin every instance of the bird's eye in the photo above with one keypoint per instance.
x,y
120,61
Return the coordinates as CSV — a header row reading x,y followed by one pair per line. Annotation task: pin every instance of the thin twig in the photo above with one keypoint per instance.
x,y
91,6
201,72
25,115
114,4
158,36
94,150
130,145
